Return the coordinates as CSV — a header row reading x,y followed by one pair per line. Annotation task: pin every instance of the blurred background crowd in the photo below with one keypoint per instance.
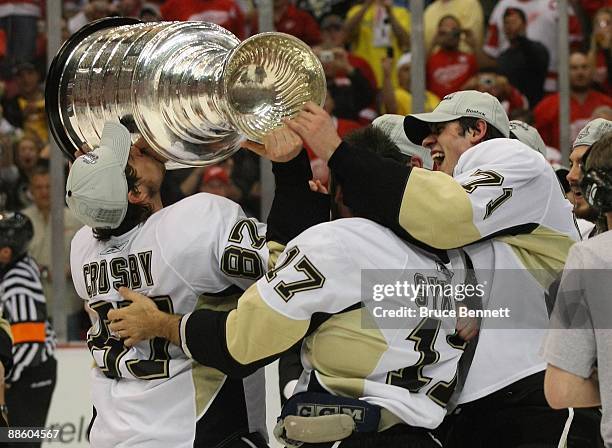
x,y
506,47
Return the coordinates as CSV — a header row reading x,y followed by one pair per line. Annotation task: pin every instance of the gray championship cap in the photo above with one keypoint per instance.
x,y
393,126
466,103
97,190
529,135
592,132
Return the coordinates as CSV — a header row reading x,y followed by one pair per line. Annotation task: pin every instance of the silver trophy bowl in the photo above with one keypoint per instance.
x,y
191,89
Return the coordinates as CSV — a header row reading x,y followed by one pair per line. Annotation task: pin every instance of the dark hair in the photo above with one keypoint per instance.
x,y
135,215
518,11
524,115
449,16
600,154
468,123
40,169
376,141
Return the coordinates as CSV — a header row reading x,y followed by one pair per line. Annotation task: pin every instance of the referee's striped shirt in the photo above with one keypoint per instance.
x,y
24,306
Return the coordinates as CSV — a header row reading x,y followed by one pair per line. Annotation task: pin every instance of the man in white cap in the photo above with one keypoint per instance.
x,y
501,193
200,252
527,134
393,126
587,216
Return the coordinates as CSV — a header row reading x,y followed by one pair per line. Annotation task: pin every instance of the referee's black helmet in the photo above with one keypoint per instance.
x,y
16,232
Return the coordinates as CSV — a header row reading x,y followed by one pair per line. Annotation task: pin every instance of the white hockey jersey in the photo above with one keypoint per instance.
x,y
505,206
516,269
500,187
186,256
407,368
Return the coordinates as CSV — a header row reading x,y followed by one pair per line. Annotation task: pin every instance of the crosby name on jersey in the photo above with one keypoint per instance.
x,y
133,271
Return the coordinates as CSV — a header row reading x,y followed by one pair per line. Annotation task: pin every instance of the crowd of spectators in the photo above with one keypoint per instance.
x,y
507,48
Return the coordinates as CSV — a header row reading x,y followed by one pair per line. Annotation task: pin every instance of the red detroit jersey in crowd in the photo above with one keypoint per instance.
x,y
546,115
225,13
296,22
447,71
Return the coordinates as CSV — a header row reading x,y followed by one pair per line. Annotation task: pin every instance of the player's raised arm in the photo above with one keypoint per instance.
x,y
296,207
467,133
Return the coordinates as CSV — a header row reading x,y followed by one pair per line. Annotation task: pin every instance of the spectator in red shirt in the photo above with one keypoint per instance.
x,y
583,101
448,69
225,13
291,20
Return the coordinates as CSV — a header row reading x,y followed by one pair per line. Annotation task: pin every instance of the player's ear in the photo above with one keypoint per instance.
x,y
477,134
136,197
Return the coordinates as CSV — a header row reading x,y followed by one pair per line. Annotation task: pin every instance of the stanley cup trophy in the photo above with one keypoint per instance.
x,y
191,89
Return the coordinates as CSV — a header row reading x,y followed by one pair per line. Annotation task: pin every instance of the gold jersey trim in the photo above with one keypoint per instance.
x,y
437,211
542,252
253,321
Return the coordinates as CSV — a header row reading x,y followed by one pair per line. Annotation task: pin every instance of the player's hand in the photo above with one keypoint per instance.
x,y
316,129
467,328
279,145
255,147
317,186
139,321
85,148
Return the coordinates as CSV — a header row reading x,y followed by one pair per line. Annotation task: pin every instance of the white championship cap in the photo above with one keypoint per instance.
x,y
393,126
97,190
529,135
466,103
592,132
